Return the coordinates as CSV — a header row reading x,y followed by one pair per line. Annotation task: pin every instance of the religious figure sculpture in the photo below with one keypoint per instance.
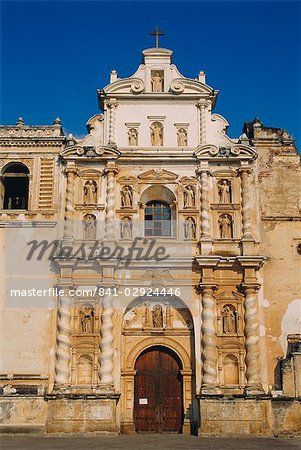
x,y
225,226
157,82
90,191
126,228
157,134
126,197
86,320
189,228
224,191
157,315
182,137
228,320
133,136
89,226
188,197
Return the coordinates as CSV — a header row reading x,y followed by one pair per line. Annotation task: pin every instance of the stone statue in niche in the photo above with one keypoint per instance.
x,y
188,197
90,192
126,197
147,315
157,82
89,226
126,228
182,137
133,136
157,134
224,192
157,316
189,228
225,226
86,317
229,320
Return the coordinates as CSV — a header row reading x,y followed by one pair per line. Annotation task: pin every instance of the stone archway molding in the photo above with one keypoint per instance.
x,y
171,344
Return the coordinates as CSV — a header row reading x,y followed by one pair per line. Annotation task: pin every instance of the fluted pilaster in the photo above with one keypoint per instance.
x,y
209,354
252,358
63,355
106,343
69,206
110,201
246,203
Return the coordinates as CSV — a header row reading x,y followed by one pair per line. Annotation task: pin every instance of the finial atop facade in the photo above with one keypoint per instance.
x,y
257,123
57,121
113,76
70,140
20,122
157,33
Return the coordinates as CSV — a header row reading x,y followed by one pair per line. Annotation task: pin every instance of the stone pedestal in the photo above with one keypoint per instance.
x,y
82,415
260,415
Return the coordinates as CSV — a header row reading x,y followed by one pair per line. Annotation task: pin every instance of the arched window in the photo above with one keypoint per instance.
x,y
157,219
15,186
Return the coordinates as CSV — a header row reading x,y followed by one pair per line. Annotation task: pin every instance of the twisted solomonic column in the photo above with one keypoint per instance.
x,y
112,105
69,208
205,227
63,356
252,357
209,355
202,115
246,203
110,201
106,342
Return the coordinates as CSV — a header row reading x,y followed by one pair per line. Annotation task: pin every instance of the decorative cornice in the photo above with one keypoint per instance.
x,y
28,132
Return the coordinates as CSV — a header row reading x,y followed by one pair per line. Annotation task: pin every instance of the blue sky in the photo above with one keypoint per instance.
x,y
54,55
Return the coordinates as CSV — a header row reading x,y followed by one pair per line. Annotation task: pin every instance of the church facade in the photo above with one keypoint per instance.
x,y
151,270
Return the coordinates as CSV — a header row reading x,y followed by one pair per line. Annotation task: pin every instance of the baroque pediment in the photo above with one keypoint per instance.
x,y
158,175
127,180
125,86
234,151
90,152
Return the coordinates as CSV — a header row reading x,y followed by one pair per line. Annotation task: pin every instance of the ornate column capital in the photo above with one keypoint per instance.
x,y
202,103
250,288
110,168
200,170
70,169
244,170
207,288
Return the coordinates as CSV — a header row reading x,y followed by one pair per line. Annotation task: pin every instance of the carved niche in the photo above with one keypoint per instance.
x,y
156,134
126,196
90,192
89,226
225,223
126,228
86,320
229,319
224,191
133,136
189,196
189,228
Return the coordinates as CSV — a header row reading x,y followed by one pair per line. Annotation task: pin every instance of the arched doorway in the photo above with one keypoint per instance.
x,y
158,391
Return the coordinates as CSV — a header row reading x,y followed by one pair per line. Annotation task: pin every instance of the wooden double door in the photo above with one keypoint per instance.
x,y
158,404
